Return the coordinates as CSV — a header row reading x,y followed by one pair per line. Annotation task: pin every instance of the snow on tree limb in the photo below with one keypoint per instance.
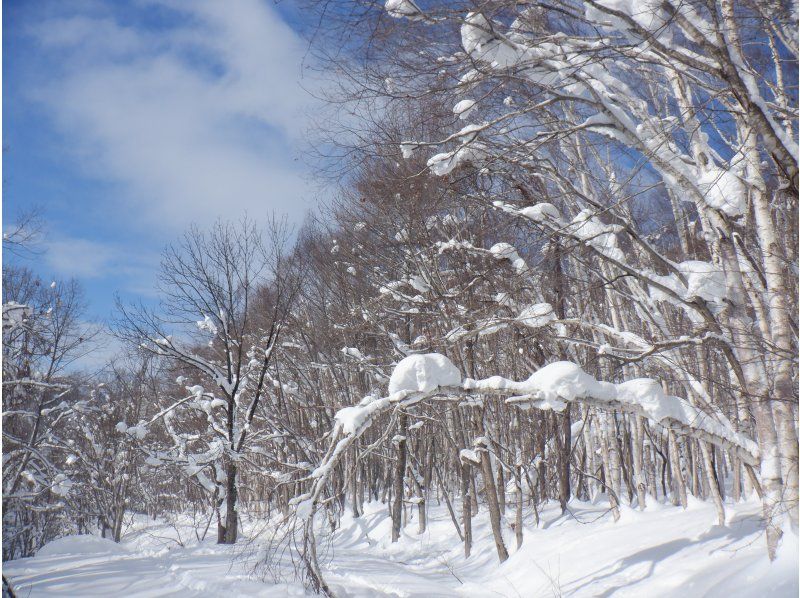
x,y
420,377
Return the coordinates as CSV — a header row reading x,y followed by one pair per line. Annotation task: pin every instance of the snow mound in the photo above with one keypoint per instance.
x,y
480,41
537,315
505,251
724,191
556,384
463,108
423,373
662,551
447,162
403,9
353,420
703,280
588,227
648,14
80,545
564,381
541,212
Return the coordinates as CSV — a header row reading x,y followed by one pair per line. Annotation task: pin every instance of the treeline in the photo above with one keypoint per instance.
x,y
590,182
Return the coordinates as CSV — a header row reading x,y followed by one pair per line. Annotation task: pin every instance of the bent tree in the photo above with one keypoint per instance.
x,y
429,377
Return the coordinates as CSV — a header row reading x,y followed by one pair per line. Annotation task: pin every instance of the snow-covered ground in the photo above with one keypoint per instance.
x,y
664,551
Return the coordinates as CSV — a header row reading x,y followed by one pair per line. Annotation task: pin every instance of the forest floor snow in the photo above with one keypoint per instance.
x,y
663,551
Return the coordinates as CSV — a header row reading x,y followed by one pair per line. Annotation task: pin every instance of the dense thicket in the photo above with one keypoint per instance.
x,y
612,184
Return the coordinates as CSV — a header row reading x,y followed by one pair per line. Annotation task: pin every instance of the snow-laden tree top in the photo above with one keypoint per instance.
x,y
551,388
423,373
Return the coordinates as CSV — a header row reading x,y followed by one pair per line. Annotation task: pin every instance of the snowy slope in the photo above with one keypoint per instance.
x,y
664,551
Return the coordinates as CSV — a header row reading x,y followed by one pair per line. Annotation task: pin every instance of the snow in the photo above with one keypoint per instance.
x,y
540,212
602,237
703,279
445,162
407,149
207,325
352,352
15,314
419,283
423,373
480,41
506,251
85,544
352,420
537,315
403,9
555,384
469,151
663,551
564,381
463,108
723,190
645,13
154,559
138,431
61,485
469,456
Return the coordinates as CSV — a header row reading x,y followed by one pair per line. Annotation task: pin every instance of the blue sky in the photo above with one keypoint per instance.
x,y
126,121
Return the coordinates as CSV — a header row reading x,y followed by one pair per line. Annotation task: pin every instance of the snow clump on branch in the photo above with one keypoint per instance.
x,y
423,373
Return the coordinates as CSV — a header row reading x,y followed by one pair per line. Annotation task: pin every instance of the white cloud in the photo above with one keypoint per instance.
x,y
100,348
80,258
195,119
84,259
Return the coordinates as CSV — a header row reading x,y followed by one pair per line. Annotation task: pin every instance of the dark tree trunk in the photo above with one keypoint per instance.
x,y
518,518
231,516
466,507
491,493
563,461
399,476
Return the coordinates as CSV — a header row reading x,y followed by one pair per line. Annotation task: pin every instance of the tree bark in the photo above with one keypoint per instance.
x,y
639,479
563,459
679,496
466,509
399,477
518,519
231,514
491,500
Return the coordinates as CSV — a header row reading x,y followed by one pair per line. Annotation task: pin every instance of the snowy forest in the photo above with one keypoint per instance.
x,y
555,291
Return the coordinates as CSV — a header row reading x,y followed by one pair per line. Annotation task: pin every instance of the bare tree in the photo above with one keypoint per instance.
x,y
42,336
213,282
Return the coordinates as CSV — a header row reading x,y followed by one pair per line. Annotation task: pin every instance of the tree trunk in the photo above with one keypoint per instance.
x,y
466,508
231,514
679,497
563,459
518,519
399,477
354,485
491,500
708,467
637,443
611,458
119,515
